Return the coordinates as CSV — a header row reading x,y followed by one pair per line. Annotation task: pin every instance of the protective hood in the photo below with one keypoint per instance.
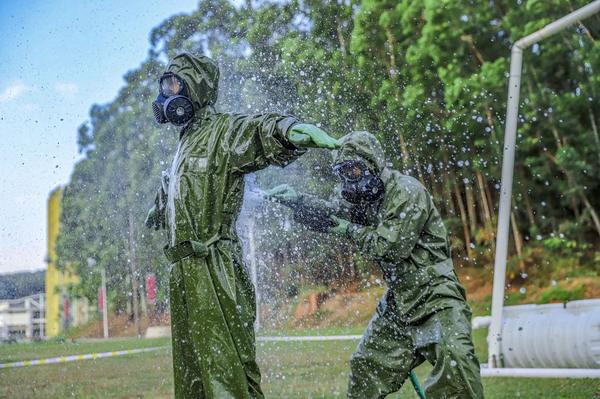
x,y
361,146
200,74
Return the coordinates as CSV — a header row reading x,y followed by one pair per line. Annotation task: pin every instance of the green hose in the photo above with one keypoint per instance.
x,y
416,385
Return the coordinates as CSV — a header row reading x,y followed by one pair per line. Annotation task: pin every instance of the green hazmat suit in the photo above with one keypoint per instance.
x,y
211,296
423,314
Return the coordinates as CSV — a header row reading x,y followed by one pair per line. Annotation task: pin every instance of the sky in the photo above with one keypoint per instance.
x,y
57,59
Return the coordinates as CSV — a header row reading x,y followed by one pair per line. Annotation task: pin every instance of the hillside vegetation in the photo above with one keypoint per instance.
x,y
18,285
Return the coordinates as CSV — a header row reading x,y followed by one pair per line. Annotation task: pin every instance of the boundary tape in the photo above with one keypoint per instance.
x,y
73,358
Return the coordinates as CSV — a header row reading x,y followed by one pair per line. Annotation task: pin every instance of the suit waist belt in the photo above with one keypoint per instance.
x,y
188,248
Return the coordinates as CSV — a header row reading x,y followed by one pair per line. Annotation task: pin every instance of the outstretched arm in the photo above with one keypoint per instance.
x,y
287,195
257,141
316,218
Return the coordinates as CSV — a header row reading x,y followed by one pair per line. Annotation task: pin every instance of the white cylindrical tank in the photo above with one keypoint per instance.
x,y
552,336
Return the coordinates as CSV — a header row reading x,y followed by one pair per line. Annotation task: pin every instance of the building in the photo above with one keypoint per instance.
x,y
22,318
62,309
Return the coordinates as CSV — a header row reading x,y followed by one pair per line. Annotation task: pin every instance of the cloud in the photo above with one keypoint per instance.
x,y
12,92
66,88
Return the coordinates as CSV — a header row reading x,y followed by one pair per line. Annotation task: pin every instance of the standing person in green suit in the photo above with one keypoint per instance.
x,y
211,295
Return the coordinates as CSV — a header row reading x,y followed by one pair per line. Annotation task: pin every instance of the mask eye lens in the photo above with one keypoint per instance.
x,y
171,85
349,171
354,172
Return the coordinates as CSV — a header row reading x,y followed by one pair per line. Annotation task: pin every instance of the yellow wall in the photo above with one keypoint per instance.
x,y
56,280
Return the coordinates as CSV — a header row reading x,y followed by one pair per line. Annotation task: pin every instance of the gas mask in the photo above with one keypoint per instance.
x,y
359,185
173,104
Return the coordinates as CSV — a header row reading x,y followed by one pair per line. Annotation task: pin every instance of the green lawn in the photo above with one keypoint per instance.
x,y
290,370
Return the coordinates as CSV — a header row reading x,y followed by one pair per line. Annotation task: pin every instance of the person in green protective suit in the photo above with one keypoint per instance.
x,y
211,296
423,314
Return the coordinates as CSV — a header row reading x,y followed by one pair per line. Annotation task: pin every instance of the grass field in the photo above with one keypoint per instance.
x,y
290,370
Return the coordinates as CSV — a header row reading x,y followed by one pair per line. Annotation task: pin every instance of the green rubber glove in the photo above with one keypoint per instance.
x,y
151,219
282,193
155,219
306,135
342,226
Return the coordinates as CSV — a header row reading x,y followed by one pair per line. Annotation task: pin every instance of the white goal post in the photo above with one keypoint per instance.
x,y
512,111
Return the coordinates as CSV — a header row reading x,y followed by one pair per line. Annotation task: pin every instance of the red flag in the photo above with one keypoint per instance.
x,y
66,310
151,288
100,299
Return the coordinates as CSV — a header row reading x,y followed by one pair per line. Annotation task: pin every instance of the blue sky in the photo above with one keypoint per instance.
x,y
57,58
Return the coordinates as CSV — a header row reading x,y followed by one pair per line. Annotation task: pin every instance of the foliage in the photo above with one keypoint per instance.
x,y
427,77
558,294
18,285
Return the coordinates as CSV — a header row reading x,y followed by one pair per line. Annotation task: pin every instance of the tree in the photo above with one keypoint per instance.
x,y
428,78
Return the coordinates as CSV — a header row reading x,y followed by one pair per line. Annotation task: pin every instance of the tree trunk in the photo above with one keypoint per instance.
x,y
449,201
591,210
463,219
484,193
404,150
340,36
133,271
518,240
530,212
439,194
393,67
595,131
129,300
142,296
490,199
471,210
418,167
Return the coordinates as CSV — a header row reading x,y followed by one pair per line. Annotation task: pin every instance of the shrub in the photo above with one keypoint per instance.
x,y
558,294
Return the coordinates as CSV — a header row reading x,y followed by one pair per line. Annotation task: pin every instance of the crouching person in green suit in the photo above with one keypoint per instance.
x,y
423,314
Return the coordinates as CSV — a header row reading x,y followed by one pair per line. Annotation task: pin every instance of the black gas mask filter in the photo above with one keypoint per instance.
x,y
173,103
359,185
